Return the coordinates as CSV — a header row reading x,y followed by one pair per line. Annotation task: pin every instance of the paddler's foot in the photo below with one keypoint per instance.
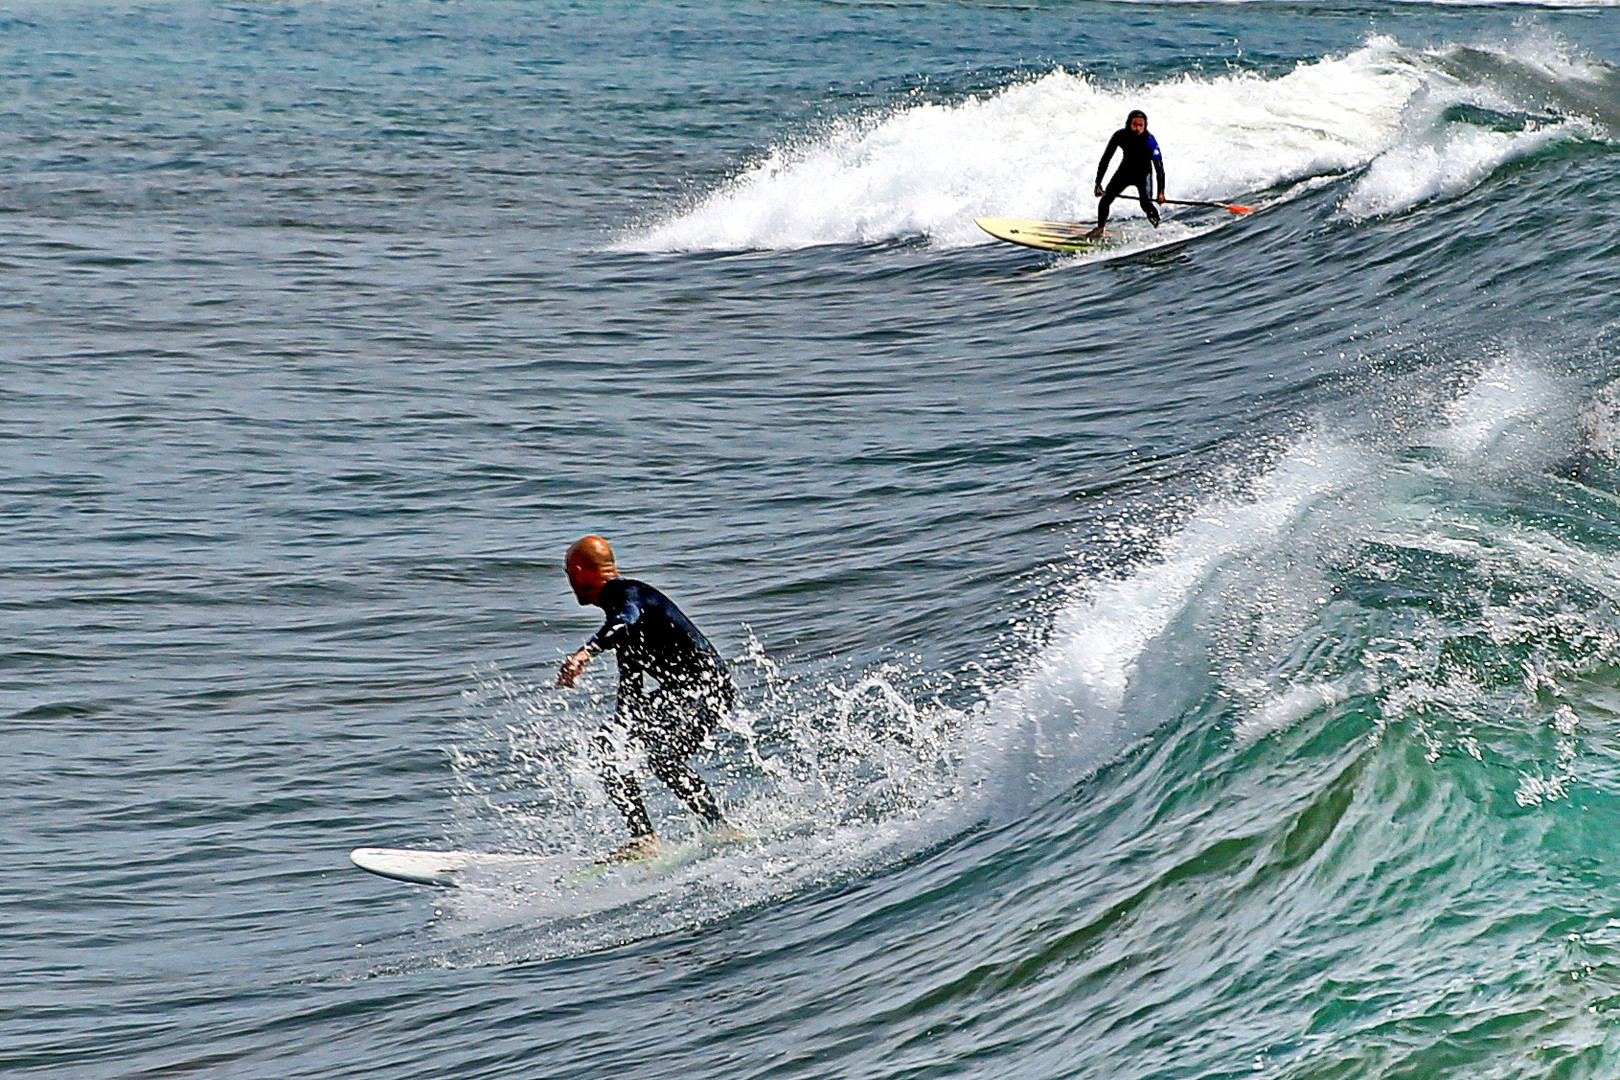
x,y
635,849
1095,234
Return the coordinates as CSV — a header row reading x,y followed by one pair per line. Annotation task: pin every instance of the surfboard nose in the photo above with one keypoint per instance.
x,y
418,867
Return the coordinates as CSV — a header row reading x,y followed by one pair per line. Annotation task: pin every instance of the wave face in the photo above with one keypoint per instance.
x,y
1416,124
1197,660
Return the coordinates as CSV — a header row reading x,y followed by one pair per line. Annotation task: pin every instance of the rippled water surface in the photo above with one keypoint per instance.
x,y
1196,660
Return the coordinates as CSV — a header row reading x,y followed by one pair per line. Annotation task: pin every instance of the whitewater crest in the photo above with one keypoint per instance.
x,y
1420,124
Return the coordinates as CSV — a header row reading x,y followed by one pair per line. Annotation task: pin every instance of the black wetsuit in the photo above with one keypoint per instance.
x,y
651,637
1139,153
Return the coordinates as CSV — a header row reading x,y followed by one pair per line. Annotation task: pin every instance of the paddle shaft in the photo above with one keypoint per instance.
x,y
1202,202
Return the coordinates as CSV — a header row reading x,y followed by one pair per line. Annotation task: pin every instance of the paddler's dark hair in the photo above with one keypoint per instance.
x,y
1133,114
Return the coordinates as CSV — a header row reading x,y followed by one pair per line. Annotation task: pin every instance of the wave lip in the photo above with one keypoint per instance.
x,y
1429,168
1479,110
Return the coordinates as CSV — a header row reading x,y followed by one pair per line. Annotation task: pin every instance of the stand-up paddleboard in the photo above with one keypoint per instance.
x,y
1047,235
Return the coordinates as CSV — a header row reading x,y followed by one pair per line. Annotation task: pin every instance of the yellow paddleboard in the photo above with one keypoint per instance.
x,y
1045,235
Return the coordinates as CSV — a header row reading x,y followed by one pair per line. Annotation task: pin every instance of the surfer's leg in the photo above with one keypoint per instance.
x,y
682,722
611,745
626,795
687,785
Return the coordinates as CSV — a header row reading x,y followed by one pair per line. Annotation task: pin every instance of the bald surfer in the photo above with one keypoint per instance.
x,y
1139,156
650,637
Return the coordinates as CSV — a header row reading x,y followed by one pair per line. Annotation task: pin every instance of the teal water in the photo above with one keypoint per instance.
x,y
1199,661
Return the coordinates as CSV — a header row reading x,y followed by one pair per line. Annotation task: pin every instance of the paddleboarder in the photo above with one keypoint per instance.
x,y
1139,162
651,637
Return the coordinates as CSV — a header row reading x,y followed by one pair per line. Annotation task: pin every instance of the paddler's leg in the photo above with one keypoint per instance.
x,y
1102,214
1146,200
1115,186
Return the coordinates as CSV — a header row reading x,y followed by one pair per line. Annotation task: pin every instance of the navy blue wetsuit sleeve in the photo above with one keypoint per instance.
x,y
618,622
650,635
1158,162
1102,166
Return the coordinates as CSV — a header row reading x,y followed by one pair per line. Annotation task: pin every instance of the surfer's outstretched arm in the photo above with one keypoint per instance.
x,y
623,616
619,620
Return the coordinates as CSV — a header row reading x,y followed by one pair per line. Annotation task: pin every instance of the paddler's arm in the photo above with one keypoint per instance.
x,y
1158,165
1102,166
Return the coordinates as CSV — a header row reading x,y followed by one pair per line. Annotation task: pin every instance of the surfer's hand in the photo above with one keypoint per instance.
x,y
1161,196
1098,192
571,668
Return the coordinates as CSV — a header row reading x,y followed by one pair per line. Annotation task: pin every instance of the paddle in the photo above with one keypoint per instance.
x,y
1220,205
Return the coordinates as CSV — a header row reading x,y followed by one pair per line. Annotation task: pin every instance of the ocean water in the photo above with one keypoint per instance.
x,y
1198,660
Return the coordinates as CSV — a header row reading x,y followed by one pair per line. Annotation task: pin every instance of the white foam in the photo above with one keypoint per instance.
x,y
1516,418
1289,707
1554,57
1503,397
1069,712
1442,164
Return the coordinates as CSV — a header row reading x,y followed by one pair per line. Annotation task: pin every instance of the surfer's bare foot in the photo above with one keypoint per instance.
x,y
632,850
1095,234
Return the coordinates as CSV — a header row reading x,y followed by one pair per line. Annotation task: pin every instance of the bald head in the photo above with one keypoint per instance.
x,y
590,551
590,565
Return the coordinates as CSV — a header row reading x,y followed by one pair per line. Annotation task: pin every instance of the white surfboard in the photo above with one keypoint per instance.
x,y
447,867
453,868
